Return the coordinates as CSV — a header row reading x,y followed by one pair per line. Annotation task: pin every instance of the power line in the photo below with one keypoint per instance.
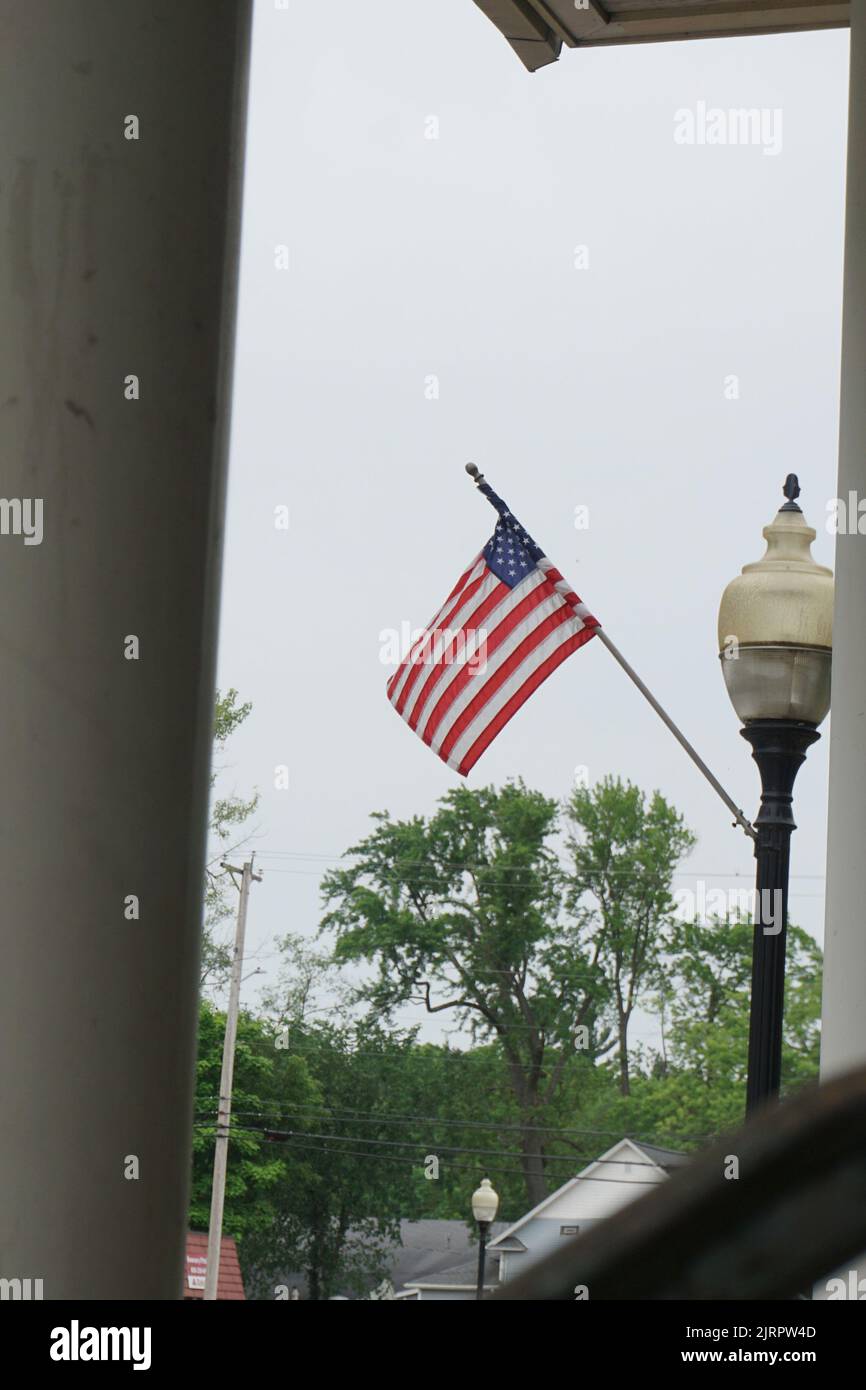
x,y
423,1057
371,1117
436,865
313,873
455,1053
374,1117
272,1135
465,1167
516,868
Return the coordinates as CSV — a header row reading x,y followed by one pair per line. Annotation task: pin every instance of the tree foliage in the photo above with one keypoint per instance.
x,y
472,913
228,814
623,853
335,1224
695,1087
257,1170
536,932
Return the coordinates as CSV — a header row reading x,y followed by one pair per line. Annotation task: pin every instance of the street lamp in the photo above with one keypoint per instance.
x,y
775,641
485,1204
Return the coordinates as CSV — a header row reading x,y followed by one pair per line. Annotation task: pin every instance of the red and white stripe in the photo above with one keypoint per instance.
x,y
458,709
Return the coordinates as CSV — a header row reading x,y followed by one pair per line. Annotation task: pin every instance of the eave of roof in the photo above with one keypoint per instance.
x,y
450,1288
458,1276
537,29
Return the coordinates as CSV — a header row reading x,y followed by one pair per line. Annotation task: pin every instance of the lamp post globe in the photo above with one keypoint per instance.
x,y
485,1204
775,647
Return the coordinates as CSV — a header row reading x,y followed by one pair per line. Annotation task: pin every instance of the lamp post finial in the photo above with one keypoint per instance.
x,y
791,490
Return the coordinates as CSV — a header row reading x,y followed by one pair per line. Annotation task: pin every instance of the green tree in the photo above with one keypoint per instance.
x,y
256,1168
337,1223
461,912
470,1122
710,967
623,853
695,1089
228,813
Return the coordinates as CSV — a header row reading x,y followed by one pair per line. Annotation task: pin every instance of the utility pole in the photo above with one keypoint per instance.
x,y
221,1151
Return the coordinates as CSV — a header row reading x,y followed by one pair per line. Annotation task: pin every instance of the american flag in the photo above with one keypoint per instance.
x,y
509,621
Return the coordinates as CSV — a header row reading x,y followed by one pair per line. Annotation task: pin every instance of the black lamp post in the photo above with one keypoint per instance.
x,y
775,639
485,1204
778,747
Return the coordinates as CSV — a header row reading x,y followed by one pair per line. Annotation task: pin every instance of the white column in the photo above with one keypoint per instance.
x,y
843,1041
117,259
844,1013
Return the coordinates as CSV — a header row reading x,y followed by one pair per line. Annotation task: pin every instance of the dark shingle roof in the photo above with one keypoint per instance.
x,y
665,1158
427,1248
462,1274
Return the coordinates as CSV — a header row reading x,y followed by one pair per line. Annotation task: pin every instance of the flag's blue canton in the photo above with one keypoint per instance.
x,y
511,552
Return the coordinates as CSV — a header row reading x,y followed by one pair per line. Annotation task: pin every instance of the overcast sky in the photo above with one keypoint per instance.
x,y
605,384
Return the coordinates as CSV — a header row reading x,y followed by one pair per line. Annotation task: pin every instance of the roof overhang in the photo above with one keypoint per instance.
x,y
537,29
416,1285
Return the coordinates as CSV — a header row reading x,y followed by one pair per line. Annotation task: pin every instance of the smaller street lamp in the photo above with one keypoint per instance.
x,y
485,1204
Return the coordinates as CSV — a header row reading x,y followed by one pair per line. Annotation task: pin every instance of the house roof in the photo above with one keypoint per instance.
x,y
429,1248
537,29
665,1158
425,1248
230,1284
649,1154
461,1276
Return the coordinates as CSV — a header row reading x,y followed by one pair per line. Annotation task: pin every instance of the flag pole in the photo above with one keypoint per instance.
x,y
739,818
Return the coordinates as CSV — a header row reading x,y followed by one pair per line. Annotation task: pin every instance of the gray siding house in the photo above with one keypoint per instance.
x,y
622,1174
